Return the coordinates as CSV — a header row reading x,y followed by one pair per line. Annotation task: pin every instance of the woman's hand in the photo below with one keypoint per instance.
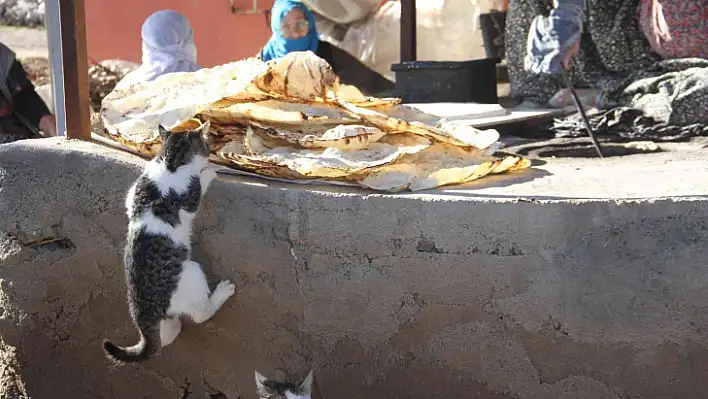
x,y
553,40
48,125
572,52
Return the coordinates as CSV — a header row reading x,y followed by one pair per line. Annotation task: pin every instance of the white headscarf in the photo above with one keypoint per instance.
x,y
168,46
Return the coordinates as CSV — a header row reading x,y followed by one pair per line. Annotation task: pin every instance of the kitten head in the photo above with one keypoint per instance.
x,y
183,148
269,389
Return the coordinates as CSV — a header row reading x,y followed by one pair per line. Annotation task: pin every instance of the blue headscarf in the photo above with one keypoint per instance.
x,y
278,46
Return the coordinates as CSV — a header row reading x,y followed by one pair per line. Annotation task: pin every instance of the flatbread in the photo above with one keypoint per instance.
x,y
325,163
299,74
279,113
134,112
470,137
439,165
290,118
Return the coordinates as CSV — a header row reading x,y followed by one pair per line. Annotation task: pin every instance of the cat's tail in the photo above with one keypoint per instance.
x,y
149,345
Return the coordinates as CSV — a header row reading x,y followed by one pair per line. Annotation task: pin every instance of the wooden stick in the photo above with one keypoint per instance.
x,y
75,68
583,116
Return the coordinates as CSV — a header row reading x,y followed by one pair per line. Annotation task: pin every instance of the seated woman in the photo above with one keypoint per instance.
x,y
675,28
293,27
23,114
168,46
612,56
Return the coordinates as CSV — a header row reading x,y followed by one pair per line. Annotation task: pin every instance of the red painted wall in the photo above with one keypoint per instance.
x,y
113,28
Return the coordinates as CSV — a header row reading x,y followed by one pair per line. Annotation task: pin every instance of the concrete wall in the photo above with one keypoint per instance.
x,y
113,28
386,296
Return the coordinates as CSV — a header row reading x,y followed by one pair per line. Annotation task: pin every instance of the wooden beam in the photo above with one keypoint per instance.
x,y
75,69
408,31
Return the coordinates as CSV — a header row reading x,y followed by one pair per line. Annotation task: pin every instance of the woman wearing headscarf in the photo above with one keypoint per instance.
x,y
168,46
23,114
293,27
634,59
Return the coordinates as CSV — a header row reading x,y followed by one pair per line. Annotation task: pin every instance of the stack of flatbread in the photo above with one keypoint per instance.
x,y
290,118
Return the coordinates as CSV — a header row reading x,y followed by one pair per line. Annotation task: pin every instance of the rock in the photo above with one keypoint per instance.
x,y
29,13
46,92
103,77
11,384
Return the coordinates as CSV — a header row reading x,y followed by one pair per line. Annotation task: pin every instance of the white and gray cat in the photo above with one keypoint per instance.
x,y
163,282
269,389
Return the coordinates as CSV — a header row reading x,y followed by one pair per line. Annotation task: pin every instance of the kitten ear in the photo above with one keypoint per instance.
x,y
204,134
164,133
205,128
260,379
306,386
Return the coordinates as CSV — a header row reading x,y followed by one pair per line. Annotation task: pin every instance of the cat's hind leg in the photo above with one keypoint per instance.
x,y
192,297
169,329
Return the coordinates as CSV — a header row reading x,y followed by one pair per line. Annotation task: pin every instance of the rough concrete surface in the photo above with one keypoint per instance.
x,y
386,296
675,172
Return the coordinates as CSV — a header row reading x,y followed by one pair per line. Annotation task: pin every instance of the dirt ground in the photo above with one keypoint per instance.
x,y
37,69
25,42
30,46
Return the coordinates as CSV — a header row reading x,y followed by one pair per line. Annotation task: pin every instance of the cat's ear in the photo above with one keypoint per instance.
x,y
204,133
306,386
205,128
260,380
164,133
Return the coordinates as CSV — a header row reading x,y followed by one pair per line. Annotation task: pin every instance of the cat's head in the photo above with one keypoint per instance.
x,y
183,148
269,389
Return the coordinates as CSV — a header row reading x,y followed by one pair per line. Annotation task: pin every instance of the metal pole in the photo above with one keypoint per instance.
x,y
52,21
583,116
408,31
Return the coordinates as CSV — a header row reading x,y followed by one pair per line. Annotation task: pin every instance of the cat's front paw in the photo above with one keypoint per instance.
x,y
206,177
223,291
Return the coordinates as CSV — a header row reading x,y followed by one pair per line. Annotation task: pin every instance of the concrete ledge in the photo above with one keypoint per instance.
x,y
457,295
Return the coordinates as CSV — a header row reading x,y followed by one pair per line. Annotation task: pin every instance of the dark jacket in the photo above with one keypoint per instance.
x,y
20,114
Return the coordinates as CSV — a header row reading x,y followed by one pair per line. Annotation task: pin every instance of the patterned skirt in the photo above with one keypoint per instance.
x,y
616,58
